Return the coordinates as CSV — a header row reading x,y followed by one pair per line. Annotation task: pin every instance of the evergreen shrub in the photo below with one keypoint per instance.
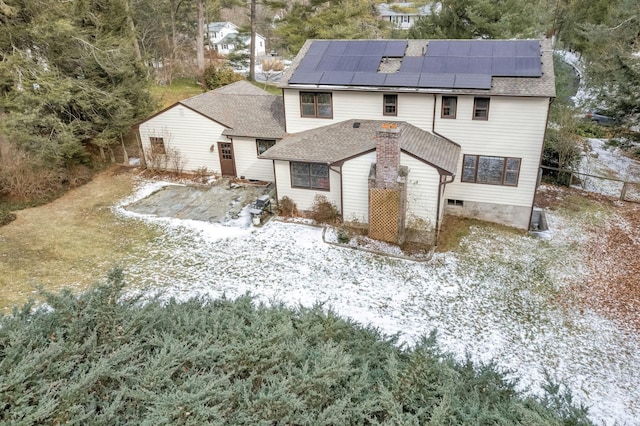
x,y
104,358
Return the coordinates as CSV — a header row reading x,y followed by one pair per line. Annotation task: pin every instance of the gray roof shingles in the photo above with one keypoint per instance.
x,y
340,141
244,109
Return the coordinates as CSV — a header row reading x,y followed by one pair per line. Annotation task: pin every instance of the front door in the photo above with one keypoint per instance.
x,y
227,165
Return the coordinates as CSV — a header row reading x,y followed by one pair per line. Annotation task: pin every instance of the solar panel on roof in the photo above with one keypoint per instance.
x,y
412,64
309,63
402,80
440,81
395,49
434,64
528,48
503,67
437,48
456,64
337,48
318,47
480,65
369,63
329,63
504,48
459,48
373,47
368,79
528,67
354,47
472,81
482,48
349,63
305,77
336,78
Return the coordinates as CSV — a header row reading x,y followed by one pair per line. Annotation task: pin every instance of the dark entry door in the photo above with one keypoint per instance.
x,y
227,165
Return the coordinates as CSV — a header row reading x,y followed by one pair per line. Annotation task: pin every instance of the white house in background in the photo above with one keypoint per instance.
x,y
225,38
440,127
404,15
223,130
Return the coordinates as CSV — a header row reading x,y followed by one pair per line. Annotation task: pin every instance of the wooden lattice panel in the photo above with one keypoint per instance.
x,y
384,210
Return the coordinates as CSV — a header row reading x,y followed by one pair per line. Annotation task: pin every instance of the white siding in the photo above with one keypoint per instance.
x,y
515,128
422,190
414,108
355,188
188,132
422,193
304,197
247,162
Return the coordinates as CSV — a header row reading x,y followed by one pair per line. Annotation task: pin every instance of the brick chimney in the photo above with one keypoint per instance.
x,y
387,156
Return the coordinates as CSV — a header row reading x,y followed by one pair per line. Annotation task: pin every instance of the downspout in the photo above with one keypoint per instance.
x,y
544,137
275,182
440,191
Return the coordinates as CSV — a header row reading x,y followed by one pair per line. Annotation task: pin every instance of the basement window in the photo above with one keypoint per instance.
x,y
452,202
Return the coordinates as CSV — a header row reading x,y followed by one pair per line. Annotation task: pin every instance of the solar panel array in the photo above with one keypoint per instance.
x,y
460,64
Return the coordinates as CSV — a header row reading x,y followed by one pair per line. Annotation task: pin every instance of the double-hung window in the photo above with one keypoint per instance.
x,y
449,106
316,104
491,170
310,175
390,105
480,108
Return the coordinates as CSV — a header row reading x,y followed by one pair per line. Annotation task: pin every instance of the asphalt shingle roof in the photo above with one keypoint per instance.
x,y
244,109
340,141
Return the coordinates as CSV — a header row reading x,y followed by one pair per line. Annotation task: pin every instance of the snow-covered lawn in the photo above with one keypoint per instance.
x,y
496,298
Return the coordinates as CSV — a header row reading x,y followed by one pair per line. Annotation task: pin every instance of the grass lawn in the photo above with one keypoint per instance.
x,y
70,242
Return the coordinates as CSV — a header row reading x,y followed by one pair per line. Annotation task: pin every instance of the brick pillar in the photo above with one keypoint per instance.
x,y
387,156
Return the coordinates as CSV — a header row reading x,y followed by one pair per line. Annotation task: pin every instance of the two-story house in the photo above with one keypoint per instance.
x,y
461,124
225,38
394,133
404,15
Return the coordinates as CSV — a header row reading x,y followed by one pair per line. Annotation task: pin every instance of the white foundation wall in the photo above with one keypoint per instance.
x,y
247,162
304,198
188,132
414,108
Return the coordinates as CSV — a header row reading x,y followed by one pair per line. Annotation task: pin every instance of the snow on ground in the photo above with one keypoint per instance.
x,y
496,305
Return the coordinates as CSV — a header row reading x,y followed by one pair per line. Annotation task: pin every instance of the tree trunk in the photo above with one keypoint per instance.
x,y
200,37
252,47
134,36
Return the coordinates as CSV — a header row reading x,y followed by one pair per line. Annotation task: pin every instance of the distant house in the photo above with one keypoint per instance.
x,y
404,15
225,38
223,130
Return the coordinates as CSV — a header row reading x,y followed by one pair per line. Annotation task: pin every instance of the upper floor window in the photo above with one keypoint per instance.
x,y
264,144
449,106
480,108
310,175
316,104
491,170
157,145
390,105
